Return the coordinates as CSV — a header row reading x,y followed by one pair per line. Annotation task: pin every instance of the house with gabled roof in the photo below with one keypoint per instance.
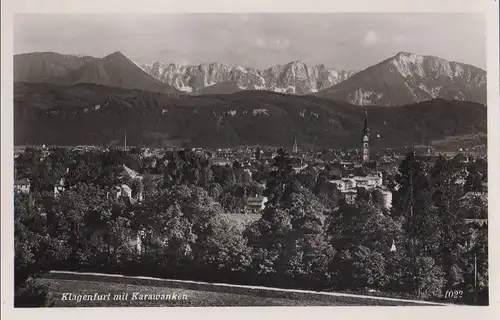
x,y
129,173
256,203
22,186
127,177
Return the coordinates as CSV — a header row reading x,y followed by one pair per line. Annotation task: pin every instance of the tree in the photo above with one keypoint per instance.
x,y
362,224
32,294
413,186
328,194
480,251
368,268
214,190
473,183
224,176
445,196
96,168
173,173
427,199
431,280
308,178
475,207
167,235
363,194
35,252
413,201
186,167
267,237
480,166
27,162
288,241
377,196
224,254
80,213
137,187
362,237
181,221
307,252
32,165
361,171
280,177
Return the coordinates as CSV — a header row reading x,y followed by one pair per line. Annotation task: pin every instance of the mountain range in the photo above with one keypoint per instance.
x,y
41,66
402,79
47,113
114,70
408,78
292,78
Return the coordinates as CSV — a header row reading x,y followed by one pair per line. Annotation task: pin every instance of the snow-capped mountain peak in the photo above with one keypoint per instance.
x,y
294,77
408,77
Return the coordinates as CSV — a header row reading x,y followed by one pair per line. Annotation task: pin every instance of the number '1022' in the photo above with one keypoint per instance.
x,y
453,294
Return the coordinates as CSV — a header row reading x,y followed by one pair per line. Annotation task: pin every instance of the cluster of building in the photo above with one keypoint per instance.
x,y
127,177
251,160
348,186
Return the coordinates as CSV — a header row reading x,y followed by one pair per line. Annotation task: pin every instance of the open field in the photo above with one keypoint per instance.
x,y
471,142
193,298
194,294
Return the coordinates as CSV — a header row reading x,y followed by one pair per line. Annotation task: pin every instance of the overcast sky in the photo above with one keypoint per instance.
x,y
337,40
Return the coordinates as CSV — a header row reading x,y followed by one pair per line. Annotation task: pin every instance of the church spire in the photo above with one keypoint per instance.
x,y
366,140
295,146
365,129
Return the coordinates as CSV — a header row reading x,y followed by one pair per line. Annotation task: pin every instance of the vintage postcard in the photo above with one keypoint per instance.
x,y
264,155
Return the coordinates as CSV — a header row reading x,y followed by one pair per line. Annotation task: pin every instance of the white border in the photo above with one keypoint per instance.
x,y
9,7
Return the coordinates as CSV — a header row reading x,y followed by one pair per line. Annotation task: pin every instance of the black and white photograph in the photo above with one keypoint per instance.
x,y
250,159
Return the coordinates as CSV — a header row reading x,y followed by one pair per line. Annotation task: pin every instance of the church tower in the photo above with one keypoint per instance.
x,y
295,148
366,140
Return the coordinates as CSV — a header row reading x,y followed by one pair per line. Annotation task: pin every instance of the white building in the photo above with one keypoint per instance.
x,y
350,195
370,181
387,198
22,186
256,203
350,183
59,188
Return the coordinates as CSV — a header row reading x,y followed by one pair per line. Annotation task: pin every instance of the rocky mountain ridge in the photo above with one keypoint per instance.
x,y
295,77
408,78
405,78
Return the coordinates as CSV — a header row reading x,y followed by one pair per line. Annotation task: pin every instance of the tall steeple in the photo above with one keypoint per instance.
x,y
366,140
295,146
365,129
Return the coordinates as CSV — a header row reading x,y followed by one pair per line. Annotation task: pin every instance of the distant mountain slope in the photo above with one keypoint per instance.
x,y
221,88
40,66
408,78
403,79
295,77
92,114
114,70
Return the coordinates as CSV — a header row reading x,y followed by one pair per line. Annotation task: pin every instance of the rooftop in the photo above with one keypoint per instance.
x,y
24,181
